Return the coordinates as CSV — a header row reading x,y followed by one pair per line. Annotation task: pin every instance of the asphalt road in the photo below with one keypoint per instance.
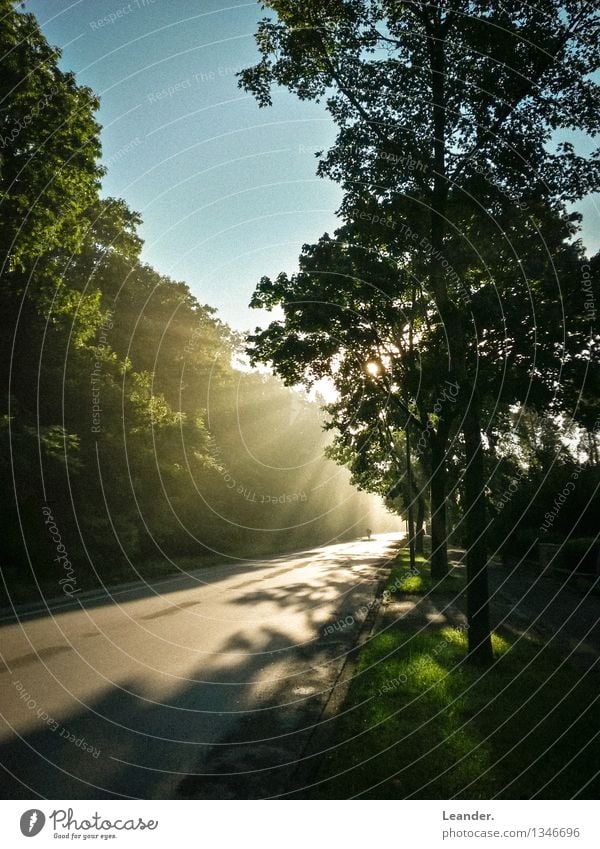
x,y
206,685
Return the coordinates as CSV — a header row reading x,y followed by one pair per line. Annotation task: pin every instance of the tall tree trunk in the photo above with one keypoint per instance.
x,y
419,529
478,617
480,646
436,46
439,551
418,497
592,448
411,523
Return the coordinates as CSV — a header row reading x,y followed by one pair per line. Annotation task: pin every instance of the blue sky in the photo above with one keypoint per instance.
x,y
227,191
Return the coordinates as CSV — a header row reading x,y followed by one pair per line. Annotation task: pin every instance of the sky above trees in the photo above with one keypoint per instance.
x,y
227,192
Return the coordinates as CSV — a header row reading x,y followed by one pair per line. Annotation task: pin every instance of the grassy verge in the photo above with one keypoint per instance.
x,y
404,581
418,722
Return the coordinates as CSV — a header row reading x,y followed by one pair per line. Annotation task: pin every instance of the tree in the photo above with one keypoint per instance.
x,y
350,316
122,384
443,108
49,148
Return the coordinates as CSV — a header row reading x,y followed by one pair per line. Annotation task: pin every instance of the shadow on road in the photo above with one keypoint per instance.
x,y
192,707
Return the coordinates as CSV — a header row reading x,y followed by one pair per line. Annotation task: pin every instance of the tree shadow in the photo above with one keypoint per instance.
x,y
232,723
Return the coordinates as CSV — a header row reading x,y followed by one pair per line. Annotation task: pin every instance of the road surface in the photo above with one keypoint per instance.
x,y
203,685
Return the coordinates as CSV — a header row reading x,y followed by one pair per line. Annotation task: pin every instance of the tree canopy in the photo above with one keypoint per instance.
x,y
456,178
125,424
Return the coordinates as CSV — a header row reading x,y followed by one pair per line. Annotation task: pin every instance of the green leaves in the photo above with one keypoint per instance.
x,y
49,146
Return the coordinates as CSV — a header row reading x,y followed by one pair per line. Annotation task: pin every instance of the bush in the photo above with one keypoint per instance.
x,y
520,544
579,556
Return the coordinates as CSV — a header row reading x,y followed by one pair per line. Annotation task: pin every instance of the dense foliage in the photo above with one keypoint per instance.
x,y
456,264
128,436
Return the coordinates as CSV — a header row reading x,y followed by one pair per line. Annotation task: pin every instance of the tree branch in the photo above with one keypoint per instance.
x,y
491,133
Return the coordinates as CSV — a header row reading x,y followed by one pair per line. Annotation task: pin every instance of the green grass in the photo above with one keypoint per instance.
x,y
418,722
403,581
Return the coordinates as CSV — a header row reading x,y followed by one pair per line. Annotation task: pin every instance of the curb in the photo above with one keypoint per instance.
x,y
307,772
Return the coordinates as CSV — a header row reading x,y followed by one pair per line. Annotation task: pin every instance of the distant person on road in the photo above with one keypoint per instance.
x,y
369,532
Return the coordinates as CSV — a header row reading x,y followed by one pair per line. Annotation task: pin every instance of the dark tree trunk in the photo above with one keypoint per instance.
x,y
419,530
480,646
436,45
439,552
411,523
592,448
479,638
418,497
